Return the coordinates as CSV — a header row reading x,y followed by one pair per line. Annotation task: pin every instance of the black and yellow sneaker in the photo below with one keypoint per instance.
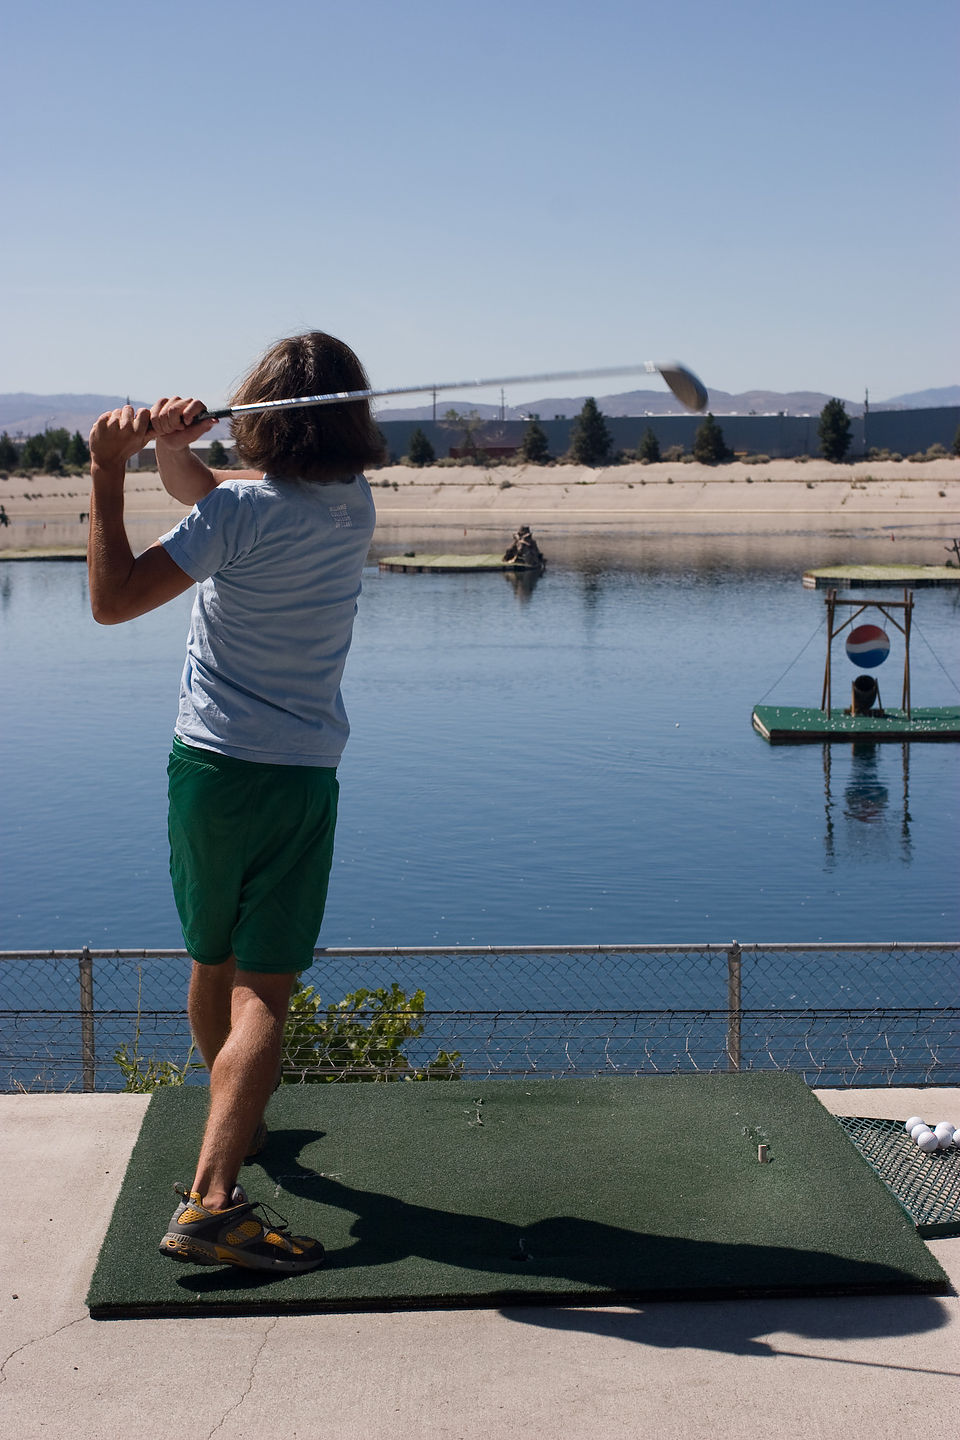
x,y
236,1236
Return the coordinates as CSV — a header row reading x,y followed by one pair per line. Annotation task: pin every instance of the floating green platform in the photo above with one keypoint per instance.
x,y
857,577
798,725
416,563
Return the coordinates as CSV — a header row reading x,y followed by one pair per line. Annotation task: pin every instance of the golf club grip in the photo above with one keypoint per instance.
x,y
206,415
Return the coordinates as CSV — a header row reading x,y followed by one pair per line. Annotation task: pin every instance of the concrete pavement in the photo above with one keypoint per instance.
x,y
873,1368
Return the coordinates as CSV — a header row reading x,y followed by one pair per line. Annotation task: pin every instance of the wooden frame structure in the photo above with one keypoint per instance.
x,y
833,602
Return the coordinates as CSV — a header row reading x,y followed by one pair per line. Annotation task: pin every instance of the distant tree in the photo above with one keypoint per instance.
x,y
33,453
217,457
590,440
9,454
36,449
53,462
709,446
535,447
470,426
956,442
421,451
77,451
649,447
834,431
386,458
57,439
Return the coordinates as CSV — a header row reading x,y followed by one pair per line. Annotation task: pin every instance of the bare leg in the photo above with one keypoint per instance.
x,y
208,1006
242,1078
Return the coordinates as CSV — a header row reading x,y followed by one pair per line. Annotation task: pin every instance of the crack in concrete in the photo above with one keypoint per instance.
x,y
232,1410
37,1340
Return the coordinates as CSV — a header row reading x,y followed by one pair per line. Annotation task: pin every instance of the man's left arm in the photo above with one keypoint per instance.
x,y
122,585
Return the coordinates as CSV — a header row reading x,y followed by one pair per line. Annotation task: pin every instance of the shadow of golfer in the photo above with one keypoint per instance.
x,y
738,1326
450,1258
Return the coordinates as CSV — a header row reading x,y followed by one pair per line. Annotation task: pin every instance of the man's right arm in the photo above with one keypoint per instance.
x,y
184,477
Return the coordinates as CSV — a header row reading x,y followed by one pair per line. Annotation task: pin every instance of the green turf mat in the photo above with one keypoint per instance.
x,y
459,1193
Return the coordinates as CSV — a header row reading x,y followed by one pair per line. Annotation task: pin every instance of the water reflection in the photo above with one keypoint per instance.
x,y
523,583
866,799
573,761
865,796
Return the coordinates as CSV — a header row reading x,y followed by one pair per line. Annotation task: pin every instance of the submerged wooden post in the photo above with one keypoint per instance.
x,y
87,1040
734,998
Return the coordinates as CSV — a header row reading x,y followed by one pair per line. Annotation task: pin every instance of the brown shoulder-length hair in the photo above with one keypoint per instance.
x,y
317,442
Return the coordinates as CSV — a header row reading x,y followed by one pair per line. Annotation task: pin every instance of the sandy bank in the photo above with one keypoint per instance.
x,y
918,502
640,495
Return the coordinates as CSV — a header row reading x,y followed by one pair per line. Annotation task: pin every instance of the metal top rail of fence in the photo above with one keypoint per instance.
x,y
841,1013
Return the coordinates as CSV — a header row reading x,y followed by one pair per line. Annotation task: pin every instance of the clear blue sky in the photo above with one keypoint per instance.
x,y
767,192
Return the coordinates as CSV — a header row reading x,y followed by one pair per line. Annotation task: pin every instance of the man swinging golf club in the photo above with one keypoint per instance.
x,y
276,553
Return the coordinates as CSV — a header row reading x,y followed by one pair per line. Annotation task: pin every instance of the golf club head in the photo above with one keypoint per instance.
x,y
688,389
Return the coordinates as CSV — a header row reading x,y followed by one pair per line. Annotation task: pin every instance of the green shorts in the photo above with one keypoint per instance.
x,y
250,853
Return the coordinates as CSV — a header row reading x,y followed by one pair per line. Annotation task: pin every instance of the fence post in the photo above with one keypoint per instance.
x,y
88,1049
734,1012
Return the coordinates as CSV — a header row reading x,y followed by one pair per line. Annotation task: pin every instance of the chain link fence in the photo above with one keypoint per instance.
x,y
866,1014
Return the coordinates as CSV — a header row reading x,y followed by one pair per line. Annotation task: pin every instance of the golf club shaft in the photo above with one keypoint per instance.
x,y
681,381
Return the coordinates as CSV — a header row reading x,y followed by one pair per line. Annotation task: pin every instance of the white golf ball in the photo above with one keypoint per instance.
x,y
921,1129
912,1122
944,1132
956,1138
928,1141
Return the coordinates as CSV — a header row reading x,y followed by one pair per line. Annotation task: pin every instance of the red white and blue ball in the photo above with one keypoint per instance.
x,y
868,646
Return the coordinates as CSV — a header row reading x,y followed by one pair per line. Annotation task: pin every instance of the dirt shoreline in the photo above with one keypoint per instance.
x,y
917,504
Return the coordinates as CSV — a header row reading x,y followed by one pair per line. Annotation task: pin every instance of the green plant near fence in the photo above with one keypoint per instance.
x,y
357,1038
360,1037
142,1073
145,1072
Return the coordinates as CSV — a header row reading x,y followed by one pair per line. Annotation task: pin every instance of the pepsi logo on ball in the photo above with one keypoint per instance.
x,y
868,646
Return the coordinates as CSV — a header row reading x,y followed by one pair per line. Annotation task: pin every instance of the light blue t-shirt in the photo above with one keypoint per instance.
x,y
278,565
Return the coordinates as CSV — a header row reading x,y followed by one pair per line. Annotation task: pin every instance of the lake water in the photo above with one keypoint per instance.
x,y
571,762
